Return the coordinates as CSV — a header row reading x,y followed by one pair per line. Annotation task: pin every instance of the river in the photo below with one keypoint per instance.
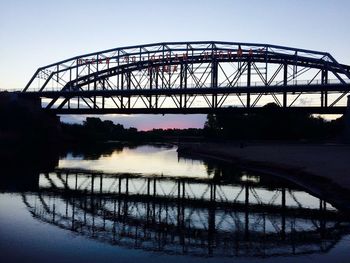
x,y
147,203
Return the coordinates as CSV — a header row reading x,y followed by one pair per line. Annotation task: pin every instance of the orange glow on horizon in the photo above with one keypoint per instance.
x,y
168,125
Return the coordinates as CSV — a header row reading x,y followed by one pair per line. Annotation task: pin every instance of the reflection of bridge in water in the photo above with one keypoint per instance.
x,y
200,217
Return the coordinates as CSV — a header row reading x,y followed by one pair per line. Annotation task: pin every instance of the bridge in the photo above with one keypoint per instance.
x,y
192,77
212,217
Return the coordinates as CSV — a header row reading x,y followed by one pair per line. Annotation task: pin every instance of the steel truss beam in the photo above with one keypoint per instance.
x,y
159,78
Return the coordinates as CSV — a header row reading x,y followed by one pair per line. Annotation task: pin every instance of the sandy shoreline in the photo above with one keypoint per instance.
x,y
324,169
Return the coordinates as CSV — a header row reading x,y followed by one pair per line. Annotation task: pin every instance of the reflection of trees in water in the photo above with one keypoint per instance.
x,y
21,165
94,151
169,216
227,172
219,170
21,158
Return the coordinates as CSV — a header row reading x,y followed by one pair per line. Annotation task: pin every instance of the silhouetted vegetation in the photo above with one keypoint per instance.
x,y
271,124
190,134
95,130
23,121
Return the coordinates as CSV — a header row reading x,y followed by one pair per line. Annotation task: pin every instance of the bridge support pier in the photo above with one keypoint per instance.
x,y
26,121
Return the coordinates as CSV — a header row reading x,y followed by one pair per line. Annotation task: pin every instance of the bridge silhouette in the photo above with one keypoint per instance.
x,y
192,216
192,77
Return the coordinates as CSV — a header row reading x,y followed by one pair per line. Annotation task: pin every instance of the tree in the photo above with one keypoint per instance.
x,y
271,123
211,126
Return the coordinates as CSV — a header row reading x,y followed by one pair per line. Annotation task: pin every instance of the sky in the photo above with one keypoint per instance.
x,y
36,33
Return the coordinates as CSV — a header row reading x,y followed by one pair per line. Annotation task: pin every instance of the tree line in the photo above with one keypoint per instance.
x,y
23,121
94,129
272,123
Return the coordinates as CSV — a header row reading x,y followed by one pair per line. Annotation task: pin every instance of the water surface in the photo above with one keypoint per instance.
x,y
148,204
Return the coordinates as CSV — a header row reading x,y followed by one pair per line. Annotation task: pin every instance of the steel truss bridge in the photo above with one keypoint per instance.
x,y
193,77
192,216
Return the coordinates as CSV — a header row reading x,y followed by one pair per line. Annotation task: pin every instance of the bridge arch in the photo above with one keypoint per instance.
x,y
193,77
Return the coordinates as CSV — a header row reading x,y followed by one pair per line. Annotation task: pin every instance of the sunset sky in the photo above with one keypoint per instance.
x,y
37,33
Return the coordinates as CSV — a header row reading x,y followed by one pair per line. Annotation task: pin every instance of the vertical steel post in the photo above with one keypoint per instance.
x,y
157,86
283,203
246,211
114,218
285,81
127,185
85,208
150,87
249,72
214,80
211,229
213,192
128,87
185,84
76,182
70,81
154,187
183,189
103,97
122,88
148,186
89,71
119,186
92,183
324,82
101,184
73,214
181,83
95,87
95,83
53,212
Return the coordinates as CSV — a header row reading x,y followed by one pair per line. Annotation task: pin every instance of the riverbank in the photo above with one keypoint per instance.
x,y
323,169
